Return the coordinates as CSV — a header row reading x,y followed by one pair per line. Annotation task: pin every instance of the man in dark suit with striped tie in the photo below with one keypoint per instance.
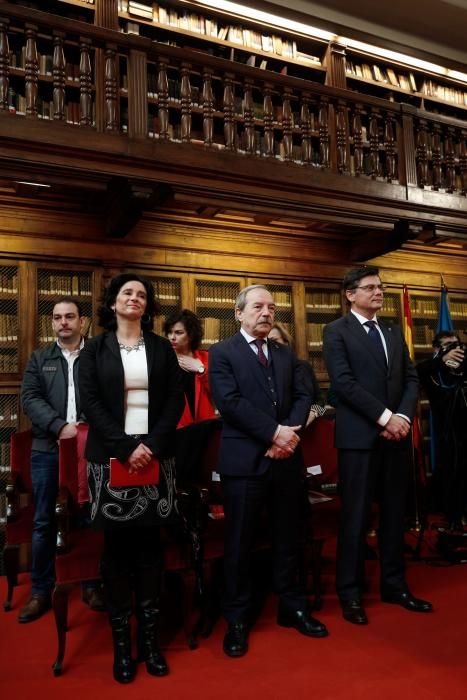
x,y
259,390
376,387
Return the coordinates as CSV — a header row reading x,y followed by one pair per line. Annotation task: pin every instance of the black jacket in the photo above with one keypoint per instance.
x,y
44,395
101,381
362,383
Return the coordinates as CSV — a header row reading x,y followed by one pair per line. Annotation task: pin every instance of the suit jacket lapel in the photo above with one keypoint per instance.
x,y
277,358
360,333
388,337
250,357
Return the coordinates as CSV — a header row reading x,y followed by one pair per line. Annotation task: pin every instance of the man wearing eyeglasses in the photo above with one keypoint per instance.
x,y
376,387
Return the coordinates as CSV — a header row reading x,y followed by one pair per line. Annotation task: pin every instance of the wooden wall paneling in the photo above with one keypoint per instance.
x,y
299,310
106,14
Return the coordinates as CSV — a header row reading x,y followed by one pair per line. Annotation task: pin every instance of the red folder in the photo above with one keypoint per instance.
x,y
120,475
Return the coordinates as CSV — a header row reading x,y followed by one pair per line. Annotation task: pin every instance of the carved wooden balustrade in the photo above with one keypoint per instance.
x,y
98,79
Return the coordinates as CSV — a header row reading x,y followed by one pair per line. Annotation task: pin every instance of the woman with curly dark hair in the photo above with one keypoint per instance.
x,y
132,395
185,333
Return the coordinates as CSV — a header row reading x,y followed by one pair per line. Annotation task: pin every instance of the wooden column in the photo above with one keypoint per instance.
x,y
106,14
335,65
186,104
4,64
407,161
208,108
137,94
229,112
248,117
58,68
31,70
85,82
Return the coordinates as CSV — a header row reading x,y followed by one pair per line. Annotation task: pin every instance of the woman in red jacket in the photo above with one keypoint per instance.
x,y
184,331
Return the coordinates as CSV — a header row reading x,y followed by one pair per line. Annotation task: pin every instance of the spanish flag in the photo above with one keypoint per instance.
x,y
408,325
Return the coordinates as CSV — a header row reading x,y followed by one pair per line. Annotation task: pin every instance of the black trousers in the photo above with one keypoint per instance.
x,y
280,489
363,475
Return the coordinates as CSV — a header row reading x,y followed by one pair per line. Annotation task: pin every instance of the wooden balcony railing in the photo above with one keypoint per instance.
x,y
97,79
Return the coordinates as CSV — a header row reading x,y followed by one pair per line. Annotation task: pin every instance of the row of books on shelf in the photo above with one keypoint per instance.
x,y
167,291
424,307
382,75
458,308
8,408
215,329
76,285
45,108
444,92
207,292
210,27
8,283
8,362
423,335
315,334
8,328
323,300
18,60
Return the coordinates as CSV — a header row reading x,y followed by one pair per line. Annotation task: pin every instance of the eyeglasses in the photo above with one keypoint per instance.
x,y
370,288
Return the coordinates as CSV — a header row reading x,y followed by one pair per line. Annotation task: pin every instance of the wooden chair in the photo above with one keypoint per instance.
x,y
79,548
19,509
321,501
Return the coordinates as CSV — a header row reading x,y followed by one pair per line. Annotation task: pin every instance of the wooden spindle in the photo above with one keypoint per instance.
x,y
59,80
373,137
248,117
422,153
341,137
463,161
208,107
268,120
31,71
450,160
163,98
85,83
287,124
357,131
111,88
323,119
229,112
436,156
4,65
305,128
186,103
390,147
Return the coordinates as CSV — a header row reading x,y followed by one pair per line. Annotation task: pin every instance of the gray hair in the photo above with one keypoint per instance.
x,y
240,301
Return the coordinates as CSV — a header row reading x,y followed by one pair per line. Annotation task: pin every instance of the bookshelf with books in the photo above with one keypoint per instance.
x,y
189,25
168,292
214,302
322,305
9,314
400,82
51,64
391,311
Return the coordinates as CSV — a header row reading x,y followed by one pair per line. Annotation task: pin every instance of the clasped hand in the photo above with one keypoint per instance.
x,y
284,443
396,428
139,458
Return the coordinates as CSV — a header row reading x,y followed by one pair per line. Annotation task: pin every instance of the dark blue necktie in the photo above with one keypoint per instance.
x,y
375,338
261,356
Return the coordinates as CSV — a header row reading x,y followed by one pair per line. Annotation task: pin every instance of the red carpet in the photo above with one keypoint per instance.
x,y
399,655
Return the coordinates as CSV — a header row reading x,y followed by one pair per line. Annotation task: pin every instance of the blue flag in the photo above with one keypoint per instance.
x,y
444,319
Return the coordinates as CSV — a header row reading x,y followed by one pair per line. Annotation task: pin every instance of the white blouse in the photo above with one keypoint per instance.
x,y
135,367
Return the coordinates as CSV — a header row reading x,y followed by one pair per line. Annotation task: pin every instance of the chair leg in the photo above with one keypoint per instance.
x,y
60,607
11,564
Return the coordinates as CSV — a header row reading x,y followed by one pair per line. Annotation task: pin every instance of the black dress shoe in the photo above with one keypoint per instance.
x,y
407,600
236,639
302,621
353,611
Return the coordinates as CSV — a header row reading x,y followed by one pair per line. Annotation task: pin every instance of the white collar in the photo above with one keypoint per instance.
x,y
363,319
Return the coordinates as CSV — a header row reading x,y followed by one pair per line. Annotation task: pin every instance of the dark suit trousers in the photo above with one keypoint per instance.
x,y
363,475
280,488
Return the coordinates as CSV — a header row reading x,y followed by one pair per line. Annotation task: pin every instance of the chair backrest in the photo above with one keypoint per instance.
x,y
317,442
72,469
20,457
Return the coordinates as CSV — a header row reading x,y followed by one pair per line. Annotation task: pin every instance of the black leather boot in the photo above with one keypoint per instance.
x,y
148,643
118,597
124,667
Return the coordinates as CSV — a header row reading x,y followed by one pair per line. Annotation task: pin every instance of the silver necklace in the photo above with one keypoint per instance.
x,y
128,348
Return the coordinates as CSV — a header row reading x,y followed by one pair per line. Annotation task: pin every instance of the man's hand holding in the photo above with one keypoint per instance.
x,y
139,458
287,438
396,428
276,452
